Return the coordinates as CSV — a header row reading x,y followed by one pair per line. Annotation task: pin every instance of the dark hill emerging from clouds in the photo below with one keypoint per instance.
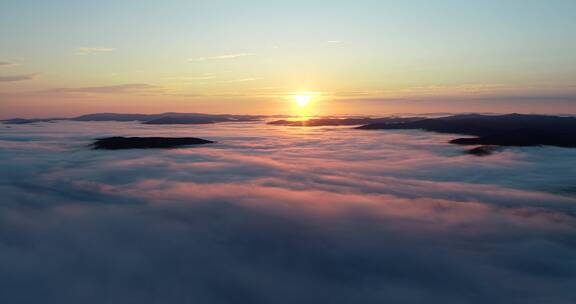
x,y
122,143
499,130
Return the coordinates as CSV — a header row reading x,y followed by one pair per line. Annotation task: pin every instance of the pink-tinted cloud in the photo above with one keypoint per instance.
x,y
277,215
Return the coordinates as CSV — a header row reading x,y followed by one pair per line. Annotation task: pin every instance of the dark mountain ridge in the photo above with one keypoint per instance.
x,y
500,130
157,119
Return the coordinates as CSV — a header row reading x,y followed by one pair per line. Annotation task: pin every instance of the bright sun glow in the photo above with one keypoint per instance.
x,y
302,100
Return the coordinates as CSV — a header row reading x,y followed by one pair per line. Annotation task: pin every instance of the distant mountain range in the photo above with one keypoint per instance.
x,y
488,130
497,130
156,119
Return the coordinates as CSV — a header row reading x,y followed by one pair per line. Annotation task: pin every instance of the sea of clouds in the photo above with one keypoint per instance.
x,y
281,215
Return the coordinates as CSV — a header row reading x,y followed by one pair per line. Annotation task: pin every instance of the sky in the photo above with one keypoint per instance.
x,y
271,214
68,57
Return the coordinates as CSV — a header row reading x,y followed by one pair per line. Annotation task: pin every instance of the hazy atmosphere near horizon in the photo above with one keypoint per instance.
x,y
275,151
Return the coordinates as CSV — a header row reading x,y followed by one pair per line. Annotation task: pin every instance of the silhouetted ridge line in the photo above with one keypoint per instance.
x,y
154,119
499,130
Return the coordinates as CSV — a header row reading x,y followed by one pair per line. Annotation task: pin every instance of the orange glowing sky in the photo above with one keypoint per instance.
x,y
61,58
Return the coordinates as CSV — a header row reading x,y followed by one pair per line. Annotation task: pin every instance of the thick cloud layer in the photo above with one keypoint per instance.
x,y
281,215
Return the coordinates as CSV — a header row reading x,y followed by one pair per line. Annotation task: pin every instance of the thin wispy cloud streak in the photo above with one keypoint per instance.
x,y
6,64
16,78
222,57
93,50
113,89
281,215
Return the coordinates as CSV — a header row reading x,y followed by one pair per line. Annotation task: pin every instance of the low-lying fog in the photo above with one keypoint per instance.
x,y
275,214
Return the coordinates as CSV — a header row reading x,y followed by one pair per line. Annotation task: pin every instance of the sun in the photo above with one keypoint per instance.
x,y
302,101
